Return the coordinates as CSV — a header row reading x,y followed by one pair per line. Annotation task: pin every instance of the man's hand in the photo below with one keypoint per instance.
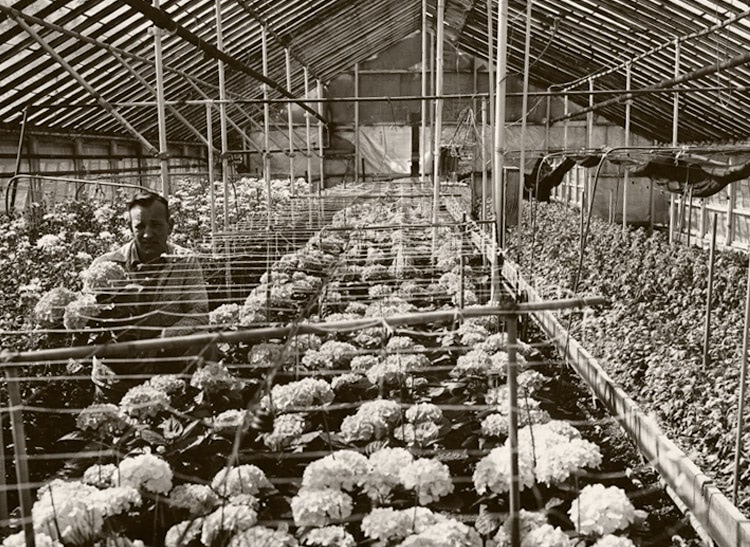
x,y
102,375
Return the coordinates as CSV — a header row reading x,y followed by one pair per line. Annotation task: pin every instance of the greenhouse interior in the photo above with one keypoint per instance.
x,y
419,273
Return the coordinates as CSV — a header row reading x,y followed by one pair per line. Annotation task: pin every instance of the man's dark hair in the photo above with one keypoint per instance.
x,y
146,199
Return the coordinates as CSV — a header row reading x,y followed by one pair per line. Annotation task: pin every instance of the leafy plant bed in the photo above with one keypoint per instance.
x,y
650,340
374,436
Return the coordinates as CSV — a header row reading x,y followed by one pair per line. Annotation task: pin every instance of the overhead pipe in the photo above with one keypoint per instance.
x,y
163,20
738,60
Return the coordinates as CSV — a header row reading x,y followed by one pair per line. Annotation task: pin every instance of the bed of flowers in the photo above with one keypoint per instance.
x,y
651,338
344,437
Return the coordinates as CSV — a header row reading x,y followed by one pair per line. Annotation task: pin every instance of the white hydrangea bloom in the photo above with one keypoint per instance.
x,y
147,472
286,430
115,500
329,536
183,533
386,524
419,434
430,478
447,533
374,419
40,540
556,463
614,541
320,507
101,475
601,510
301,393
261,536
422,412
527,521
198,499
383,476
546,535
342,470
242,479
227,519
144,401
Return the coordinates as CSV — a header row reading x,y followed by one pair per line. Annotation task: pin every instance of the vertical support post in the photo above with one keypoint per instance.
x,y
587,197
626,178
491,63
500,92
709,291
483,210
731,204
511,322
438,118
423,123
566,110
223,115
308,142
524,117
160,109
741,395
266,129
210,161
20,454
321,157
19,155
290,120
675,139
357,149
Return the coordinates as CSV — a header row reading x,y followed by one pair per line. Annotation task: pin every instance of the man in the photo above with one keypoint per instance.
x,y
168,299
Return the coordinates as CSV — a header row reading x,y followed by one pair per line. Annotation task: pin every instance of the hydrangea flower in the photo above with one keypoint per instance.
x,y
242,479
101,475
70,520
363,363
144,401
401,343
229,421
40,540
50,243
492,473
474,363
261,536
383,476
341,470
104,277
614,541
419,434
527,521
197,499
147,472
386,524
287,428
446,533
346,380
226,314
301,393
329,536
80,311
171,384
601,510
556,463
374,419
50,309
320,507
331,355
471,333
430,478
183,533
424,412
215,378
114,500
228,518
105,420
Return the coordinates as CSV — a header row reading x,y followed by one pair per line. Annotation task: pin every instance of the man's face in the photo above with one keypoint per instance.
x,y
151,228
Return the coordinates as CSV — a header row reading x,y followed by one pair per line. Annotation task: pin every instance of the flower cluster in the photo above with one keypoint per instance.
x,y
104,420
227,519
215,378
430,479
384,468
146,472
243,479
302,393
387,525
422,426
80,311
103,277
226,314
287,428
320,507
196,499
143,402
342,470
101,475
50,310
374,419
331,355
329,536
229,421
261,536
601,510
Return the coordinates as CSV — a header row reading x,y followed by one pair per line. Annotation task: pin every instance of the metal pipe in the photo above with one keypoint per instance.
x,y
210,160
511,324
19,153
424,106
266,130
675,138
290,119
439,45
483,210
709,291
500,96
163,20
321,159
160,109
357,149
222,114
307,131
524,117
490,66
741,396
626,178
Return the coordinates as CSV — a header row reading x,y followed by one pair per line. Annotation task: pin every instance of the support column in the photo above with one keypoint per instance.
x,y
160,111
500,91
307,131
210,162
675,140
524,116
357,149
266,128
290,121
423,124
438,114
626,178
321,158
223,116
